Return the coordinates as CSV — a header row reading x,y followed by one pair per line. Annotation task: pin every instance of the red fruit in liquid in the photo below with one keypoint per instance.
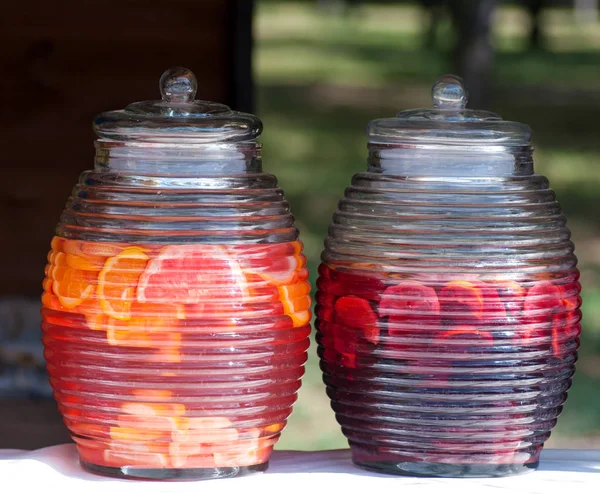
x,y
471,335
409,301
356,312
493,307
461,300
551,310
512,295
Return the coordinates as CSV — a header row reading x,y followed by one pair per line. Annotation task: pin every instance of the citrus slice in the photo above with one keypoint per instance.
x,y
462,340
493,306
192,274
154,394
300,319
407,305
85,263
101,250
565,326
144,333
272,429
47,284
467,335
279,264
57,243
461,299
118,280
542,301
296,302
570,295
71,286
260,290
511,293
83,429
339,344
135,434
357,312
50,301
194,461
119,459
355,283
57,258
545,309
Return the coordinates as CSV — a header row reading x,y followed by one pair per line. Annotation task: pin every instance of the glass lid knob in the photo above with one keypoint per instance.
x,y
449,93
178,85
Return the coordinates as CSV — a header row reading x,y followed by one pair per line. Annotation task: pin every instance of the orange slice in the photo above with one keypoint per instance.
x,y
296,302
143,333
92,431
154,394
71,286
87,263
134,434
253,452
94,317
199,423
57,243
279,264
461,299
50,301
47,284
168,355
118,280
120,459
300,319
269,430
87,249
57,258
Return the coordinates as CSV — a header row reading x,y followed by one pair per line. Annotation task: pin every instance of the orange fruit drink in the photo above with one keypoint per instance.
x,y
180,357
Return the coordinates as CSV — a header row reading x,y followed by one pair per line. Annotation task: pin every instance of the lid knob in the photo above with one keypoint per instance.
x,y
178,85
449,93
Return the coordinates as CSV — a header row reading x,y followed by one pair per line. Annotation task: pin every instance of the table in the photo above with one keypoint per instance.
x,y
56,469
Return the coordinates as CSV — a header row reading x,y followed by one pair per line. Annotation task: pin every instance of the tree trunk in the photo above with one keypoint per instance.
x,y
473,54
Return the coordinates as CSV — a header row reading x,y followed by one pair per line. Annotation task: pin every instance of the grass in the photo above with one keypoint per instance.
x,y
321,78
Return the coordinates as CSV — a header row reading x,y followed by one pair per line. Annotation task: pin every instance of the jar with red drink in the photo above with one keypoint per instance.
x,y
176,304
448,307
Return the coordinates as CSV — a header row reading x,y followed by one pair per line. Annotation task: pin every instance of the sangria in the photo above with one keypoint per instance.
x,y
178,319
435,367
448,307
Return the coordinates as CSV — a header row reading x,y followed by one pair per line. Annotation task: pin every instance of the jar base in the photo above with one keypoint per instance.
x,y
422,469
173,473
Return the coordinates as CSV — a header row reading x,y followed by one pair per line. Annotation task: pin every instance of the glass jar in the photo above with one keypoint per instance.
x,y
448,307
176,304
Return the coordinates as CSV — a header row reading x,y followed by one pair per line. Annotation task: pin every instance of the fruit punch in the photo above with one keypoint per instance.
x,y
175,357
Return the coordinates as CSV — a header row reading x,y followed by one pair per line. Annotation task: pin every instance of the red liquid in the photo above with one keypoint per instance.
x,y
175,357
446,369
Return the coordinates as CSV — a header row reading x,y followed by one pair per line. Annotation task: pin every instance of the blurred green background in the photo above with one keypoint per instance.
x,y
322,74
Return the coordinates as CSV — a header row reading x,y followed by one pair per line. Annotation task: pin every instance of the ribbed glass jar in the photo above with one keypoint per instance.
x,y
448,309
176,308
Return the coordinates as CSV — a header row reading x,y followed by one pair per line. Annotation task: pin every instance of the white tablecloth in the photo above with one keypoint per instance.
x,y
56,469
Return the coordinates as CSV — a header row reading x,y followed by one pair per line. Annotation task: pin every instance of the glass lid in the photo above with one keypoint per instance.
x,y
177,117
449,122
